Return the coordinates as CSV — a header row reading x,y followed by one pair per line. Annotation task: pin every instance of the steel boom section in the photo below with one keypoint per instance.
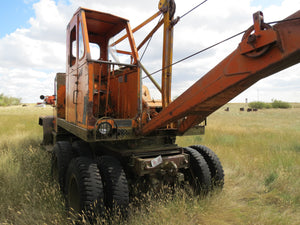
x,y
230,77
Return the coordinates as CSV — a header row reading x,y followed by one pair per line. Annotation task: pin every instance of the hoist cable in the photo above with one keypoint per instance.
x,y
285,20
149,40
193,9
196,53
179,17
220,42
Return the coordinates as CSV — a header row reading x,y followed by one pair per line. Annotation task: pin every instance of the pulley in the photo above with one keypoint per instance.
x,y
259,38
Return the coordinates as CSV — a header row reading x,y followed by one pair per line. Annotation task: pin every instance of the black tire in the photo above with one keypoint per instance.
x,y
81,148
84,189
198,173
116,192
214,164
61,157
47,123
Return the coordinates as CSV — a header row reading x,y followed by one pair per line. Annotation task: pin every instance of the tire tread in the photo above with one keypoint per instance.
x,y
214,164
115,183
201,172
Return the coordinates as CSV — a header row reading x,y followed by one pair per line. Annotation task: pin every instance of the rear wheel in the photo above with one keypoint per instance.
x,y
47,123
214,164
198,174
116,192
61,157
84,189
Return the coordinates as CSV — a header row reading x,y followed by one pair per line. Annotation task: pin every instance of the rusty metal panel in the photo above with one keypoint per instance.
x,y
125,88
60,81
82,95
71,76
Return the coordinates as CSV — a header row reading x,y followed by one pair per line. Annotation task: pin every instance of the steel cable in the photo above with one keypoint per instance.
x,y
220,42
193,9
196,53
179,17
149,41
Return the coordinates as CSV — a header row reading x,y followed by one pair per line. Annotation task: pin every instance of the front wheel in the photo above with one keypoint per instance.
x,y
61,157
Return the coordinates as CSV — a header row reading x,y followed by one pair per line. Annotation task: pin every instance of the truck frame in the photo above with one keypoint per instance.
x,y
109,135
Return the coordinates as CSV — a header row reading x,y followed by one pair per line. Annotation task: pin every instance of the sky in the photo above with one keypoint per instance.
x,y
32,42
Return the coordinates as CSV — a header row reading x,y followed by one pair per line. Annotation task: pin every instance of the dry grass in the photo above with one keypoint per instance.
x,y
260,154
259,151
27,194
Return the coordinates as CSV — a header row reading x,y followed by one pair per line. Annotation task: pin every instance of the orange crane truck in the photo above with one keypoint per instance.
x,y
48,100
109,135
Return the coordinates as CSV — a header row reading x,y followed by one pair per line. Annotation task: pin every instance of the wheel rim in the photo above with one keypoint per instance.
x,y
73,194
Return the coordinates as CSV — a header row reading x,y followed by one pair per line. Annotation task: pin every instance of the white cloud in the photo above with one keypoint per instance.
x,y
31,57
27,84
49,22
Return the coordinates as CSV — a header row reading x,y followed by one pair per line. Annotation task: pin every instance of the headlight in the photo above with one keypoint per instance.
x,y
105,128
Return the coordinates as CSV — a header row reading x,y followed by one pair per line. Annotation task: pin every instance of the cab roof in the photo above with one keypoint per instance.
x,y
103,24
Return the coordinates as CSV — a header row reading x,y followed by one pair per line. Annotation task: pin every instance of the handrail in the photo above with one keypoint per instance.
x,y
112,63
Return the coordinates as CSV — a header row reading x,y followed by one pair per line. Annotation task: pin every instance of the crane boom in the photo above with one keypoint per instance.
x,y
263,51
105,124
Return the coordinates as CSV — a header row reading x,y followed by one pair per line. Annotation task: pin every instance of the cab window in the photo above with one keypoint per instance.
x,y
95,51
80,42
73,47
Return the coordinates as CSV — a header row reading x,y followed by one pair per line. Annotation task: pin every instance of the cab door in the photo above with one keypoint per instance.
x,y
77,71
72,71
82,85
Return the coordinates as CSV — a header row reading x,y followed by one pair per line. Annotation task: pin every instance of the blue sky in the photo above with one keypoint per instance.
x,y
15,14
32,42
265,3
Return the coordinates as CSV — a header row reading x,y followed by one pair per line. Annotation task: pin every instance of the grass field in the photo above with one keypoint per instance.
x,y
259,151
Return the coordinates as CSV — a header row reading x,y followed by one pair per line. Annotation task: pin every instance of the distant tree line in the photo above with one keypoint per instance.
x,y
6,101
276,104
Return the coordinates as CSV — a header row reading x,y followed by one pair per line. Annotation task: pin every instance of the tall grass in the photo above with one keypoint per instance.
x,y
259,151
260,154
27,194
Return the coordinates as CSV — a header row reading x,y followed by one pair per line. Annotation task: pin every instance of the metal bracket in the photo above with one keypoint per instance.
x,y
258,39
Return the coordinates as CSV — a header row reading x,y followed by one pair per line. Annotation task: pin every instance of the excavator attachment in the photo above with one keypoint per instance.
x,y
263,51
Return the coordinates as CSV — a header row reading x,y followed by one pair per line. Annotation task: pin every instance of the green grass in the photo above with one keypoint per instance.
x,y
259,151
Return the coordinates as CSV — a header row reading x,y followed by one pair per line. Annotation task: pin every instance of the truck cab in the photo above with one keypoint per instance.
x,y
98,88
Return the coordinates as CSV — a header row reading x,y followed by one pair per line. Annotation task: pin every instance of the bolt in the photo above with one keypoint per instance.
x,y
251,39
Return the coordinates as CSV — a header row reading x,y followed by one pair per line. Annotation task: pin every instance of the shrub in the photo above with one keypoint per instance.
x,y
275,104
6,101
259,105
280,104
